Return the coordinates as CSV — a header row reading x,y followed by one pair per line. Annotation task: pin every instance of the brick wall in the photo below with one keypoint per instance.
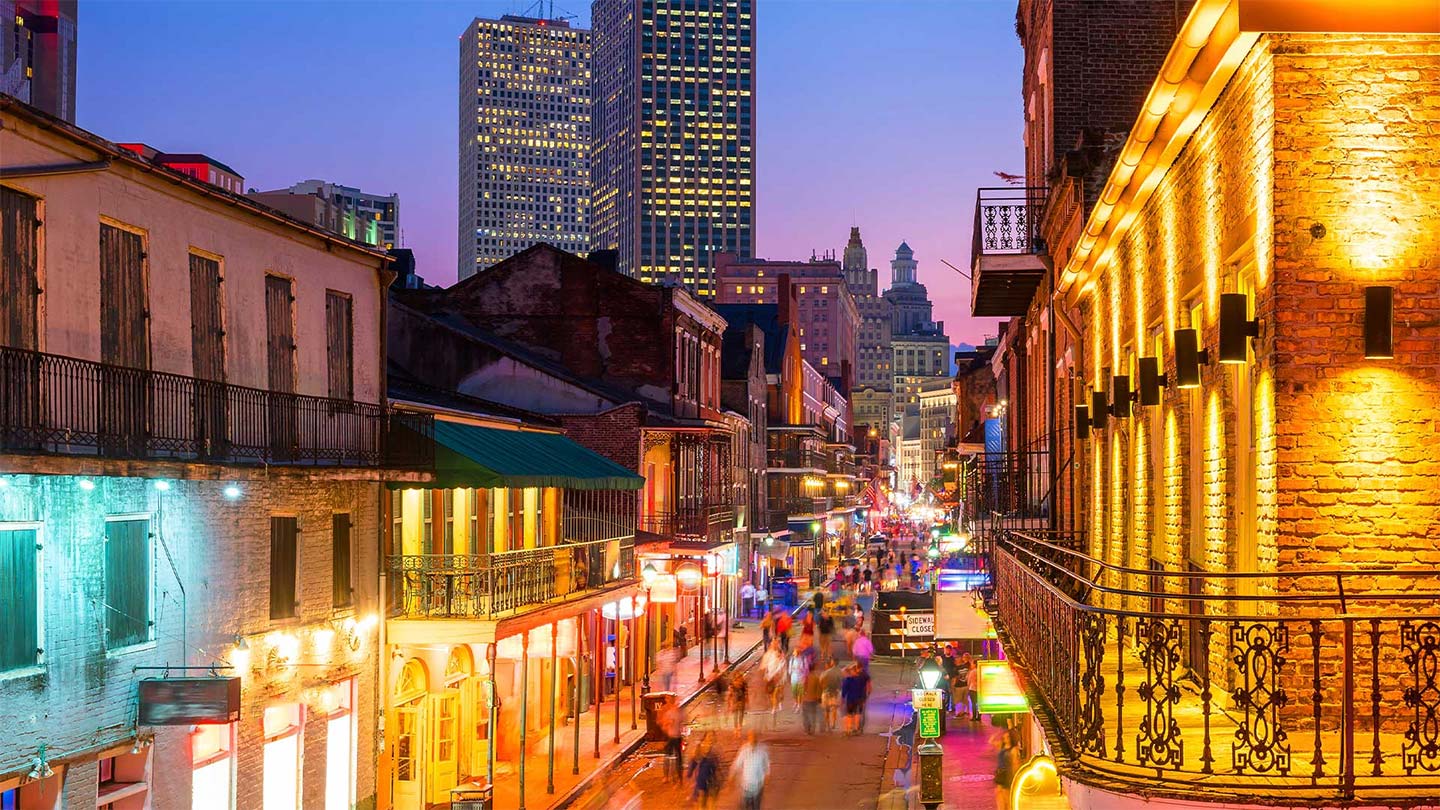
x,y
614,434
220,548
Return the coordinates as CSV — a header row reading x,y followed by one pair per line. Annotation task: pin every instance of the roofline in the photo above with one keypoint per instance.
x,y
13,106
1207,51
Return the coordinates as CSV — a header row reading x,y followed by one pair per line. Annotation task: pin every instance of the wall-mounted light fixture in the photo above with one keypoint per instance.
x,y
1082,422
1151,380
1120,396
1099,409
1189,357
1236,326
1379,323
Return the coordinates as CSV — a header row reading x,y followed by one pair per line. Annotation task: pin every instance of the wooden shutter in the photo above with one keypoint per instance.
x,y
284,533
127,582
123,305
339,332
340,558
280,333
19,282
19,621
207,331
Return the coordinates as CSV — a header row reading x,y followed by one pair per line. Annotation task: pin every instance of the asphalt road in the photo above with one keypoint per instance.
x,y
822,772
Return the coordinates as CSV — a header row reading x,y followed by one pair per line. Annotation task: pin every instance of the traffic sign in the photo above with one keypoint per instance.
x,y
927,698
929,723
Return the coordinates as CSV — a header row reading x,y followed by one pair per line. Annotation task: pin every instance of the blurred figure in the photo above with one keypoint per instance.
x,y
830,682
772,668
811,692
782,630
853,692
672,722
752,769
705,771
739,698
665,663
767,626
863,650
1007,762
972,686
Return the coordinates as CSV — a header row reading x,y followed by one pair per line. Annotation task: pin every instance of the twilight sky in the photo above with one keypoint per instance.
x,y
880,113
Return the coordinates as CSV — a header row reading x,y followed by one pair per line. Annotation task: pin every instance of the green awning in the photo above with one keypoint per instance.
x,y
470,456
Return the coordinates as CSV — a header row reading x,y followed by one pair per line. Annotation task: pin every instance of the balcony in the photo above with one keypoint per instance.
x,y
1007,490
712,524
777,520
494,586
1005,252
50,404
806,508
795,458
1306,687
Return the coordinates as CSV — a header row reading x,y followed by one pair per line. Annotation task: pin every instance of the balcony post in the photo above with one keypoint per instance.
x,y
618,690
579,664
597,669
554,702
632,645
494,719
524,705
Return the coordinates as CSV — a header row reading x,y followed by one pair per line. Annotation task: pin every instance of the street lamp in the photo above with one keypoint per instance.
x,y
931,755
647,576
930,673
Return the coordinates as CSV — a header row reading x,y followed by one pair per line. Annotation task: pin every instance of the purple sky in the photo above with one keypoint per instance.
x,y
883,114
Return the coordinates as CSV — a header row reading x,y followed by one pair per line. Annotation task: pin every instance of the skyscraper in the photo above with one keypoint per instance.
x,y
874,376
37,53
919,347
524,138
674,136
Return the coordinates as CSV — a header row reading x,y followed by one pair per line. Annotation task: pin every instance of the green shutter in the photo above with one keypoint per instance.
x,y
127,582
283,532
19,621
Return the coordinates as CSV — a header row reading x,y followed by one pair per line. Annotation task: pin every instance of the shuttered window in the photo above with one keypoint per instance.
x,y
340,558
284,536
341,342
207,330
280,334
123,306
20,583
19,282
127,582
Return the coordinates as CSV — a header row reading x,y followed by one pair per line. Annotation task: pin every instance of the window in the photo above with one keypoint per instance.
x,y
340,748
122,784
284,556
283,725
212,763
20,581
19,254
340,342
340,555
127,582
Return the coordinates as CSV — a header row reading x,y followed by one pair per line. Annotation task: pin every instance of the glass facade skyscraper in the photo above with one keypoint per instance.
x,y
524,139
674,136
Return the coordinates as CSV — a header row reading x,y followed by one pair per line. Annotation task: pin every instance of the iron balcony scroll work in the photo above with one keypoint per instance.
x,y
1261,744
1158,742
1421,644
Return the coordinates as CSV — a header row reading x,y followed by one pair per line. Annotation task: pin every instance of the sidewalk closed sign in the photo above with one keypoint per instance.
x,y
929,723
920,624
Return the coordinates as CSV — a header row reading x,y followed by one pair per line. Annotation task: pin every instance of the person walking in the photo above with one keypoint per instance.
x,y
767,626
752,769
960,684
863,650
972,686
772,668
1007,762
830,682
672,722
811,693
666,662
853,691
782,630
739,698
681,640
705,771
826,637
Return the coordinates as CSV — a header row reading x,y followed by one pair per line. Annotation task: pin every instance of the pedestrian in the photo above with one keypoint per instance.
x,y
863,651
799,667
811,693
782,630
826,638
672,722
681,641
972,686
666,662
830,682
772,668
752,767
705,771
1007,761
807,626
961,684
853,691
739,698
747,597
767,625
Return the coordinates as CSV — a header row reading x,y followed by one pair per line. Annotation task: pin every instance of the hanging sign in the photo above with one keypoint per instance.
x,y
188,701
997,690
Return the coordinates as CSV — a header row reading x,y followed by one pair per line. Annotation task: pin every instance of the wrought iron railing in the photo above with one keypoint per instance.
x,y
713,523
1007,220
1013,486
794,458
63,405
488,586
808,507
1229,687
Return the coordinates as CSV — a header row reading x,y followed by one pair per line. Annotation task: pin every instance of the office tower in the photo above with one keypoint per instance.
x,y
524,139
873,363
674,136
919,347
37,54
370,218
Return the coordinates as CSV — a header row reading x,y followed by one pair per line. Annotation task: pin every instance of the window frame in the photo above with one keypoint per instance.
x,y
294,573
349,569
38,667
150,632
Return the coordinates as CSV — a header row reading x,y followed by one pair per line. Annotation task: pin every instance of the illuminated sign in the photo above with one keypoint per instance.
x,y
998,691
919,624
189,701
663,590
623,609
929,722
927,698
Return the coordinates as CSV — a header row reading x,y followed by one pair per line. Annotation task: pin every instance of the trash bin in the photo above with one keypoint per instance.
x,y
655,703
816,578
472,797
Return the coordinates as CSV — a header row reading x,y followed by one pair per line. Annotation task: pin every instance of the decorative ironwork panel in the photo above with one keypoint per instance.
x,y
1158,742
1420,644
1091,728
1261,743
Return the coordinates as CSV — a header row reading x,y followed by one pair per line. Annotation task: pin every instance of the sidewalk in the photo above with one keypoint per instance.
x,y
687,685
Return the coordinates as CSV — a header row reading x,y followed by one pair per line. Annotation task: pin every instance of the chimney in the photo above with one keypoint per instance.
x,y
784,296
608,259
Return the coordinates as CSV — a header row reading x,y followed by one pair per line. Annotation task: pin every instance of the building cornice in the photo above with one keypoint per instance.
x,y
1208,49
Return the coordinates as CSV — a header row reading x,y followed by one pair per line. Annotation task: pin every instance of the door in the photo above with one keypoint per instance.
x,y
19,319
122,391
443,767
474,727
280,366
207,357
409,756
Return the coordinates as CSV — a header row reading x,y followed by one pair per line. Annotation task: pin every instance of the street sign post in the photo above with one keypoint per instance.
x,y
927,698
929,722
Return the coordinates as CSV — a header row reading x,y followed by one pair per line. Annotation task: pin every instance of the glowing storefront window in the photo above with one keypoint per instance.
x,y
340,763
284,724
212,759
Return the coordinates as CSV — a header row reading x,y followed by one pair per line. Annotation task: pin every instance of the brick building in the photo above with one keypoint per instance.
x,y
825,309
1254,400
189,495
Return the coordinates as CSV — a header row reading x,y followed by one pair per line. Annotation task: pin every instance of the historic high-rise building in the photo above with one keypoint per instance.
x,y
874,371
909,300
674,136
524,139
37,53
919,347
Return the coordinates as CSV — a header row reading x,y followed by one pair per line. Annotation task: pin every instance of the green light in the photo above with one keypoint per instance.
x,y
934,532
933,552
815,527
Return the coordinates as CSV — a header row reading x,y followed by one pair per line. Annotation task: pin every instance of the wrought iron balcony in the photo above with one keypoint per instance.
x,y
51,404
1005,250
1303,687
804,508
493,586
1010,490
794,458
712,523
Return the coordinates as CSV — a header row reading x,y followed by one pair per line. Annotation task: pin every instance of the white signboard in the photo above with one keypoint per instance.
x,y
957,617
919,624
927,698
